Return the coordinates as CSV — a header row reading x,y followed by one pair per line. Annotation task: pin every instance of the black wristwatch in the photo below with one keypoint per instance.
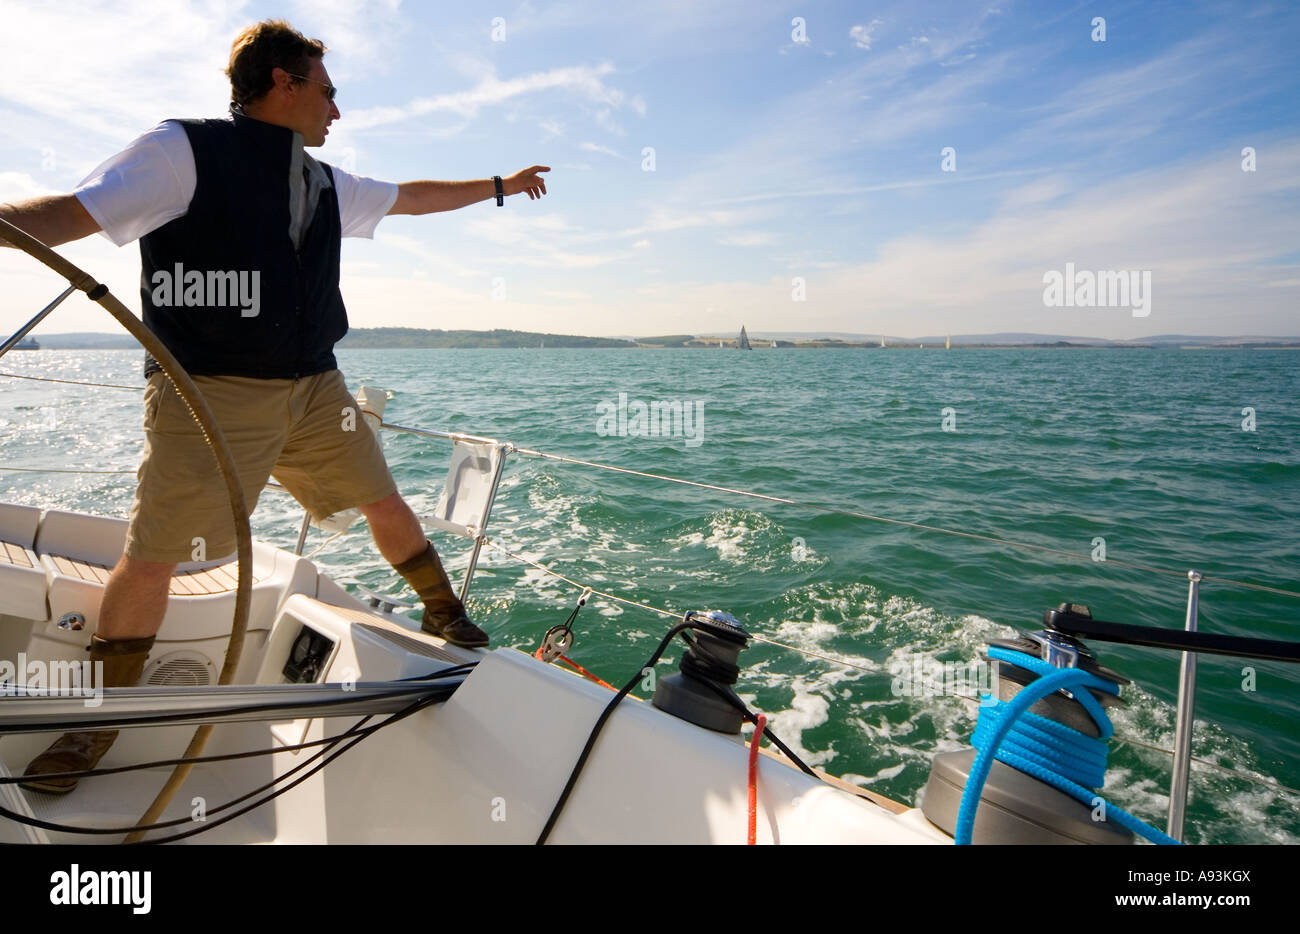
x,y
501,200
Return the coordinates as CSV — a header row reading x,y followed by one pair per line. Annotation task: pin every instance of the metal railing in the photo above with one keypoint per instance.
x,y
480,537
1183,726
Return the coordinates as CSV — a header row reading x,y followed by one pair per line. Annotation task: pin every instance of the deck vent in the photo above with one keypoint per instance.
x,y
180,669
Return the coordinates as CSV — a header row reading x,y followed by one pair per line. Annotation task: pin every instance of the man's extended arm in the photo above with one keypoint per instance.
x,y
430,197
54,219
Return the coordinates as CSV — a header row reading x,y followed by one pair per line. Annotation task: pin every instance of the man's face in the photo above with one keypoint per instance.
x,y
313,111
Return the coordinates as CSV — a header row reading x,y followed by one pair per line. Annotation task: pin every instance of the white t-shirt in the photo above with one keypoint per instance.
x,y
152,182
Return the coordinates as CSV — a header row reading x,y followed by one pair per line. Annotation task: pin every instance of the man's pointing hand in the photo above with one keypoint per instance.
x,y
529,180
429,197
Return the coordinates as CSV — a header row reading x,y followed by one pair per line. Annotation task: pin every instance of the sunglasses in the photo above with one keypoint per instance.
x,y
330,90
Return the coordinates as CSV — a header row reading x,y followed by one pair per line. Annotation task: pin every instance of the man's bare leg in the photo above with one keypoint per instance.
x,y
135,599
401,541
396,530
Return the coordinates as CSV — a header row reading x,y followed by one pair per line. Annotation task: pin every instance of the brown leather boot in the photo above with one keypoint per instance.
x,y
76,752
444,614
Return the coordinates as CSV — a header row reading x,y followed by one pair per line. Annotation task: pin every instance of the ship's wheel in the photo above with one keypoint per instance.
x,y
193,398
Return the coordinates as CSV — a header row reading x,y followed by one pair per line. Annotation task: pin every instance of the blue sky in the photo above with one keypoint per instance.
x,y
780,153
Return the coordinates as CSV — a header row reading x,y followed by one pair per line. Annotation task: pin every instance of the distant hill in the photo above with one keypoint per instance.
x,y
1156,340
358,338
672,340
1001,339
87,340
362,338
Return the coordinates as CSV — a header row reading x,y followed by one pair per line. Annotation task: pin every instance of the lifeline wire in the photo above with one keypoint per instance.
x,y
832,510
74,382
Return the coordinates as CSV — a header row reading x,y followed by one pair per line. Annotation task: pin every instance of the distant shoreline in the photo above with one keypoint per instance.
x,y
412,338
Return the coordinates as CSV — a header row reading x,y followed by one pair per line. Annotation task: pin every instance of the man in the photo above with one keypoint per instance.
x,y
239,235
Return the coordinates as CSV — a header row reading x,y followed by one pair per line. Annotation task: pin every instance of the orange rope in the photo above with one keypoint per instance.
x,y
582,671
587,674
753,777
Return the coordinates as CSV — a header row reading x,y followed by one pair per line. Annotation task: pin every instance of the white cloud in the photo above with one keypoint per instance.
x,y
510,229
567,295
748,239
110,69
862,35
583,81
832,191
19,186
416,247
1203,229
1038,191
361,32
663,219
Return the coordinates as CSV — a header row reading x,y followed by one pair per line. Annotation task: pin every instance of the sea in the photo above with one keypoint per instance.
x,y
922,503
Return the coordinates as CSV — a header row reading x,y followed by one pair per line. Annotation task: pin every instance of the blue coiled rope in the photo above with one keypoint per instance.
x,y
1049,751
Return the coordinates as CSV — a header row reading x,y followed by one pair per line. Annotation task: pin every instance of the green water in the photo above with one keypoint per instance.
x,y
1053,448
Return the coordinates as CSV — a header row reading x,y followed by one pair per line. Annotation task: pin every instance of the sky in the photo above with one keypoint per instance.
x,y
910,169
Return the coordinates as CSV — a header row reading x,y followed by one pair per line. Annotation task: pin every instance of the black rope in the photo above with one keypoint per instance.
x,y
702,661
401,715
160,763
752,717
356,733
161,719
703,665
595,732
224,757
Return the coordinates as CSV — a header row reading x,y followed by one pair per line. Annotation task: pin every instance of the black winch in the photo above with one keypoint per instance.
x,y
700,692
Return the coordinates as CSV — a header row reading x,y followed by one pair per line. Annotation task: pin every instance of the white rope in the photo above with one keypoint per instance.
x,y
322,545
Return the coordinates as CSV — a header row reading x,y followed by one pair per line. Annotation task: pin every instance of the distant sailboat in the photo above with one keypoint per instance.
x,y
882,340
774,343
743,341
947,342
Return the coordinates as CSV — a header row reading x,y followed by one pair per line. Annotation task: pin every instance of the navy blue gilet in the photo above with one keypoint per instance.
x,y
238,223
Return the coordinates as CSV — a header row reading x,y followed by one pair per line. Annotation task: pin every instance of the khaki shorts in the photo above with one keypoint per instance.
x,y
296,430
